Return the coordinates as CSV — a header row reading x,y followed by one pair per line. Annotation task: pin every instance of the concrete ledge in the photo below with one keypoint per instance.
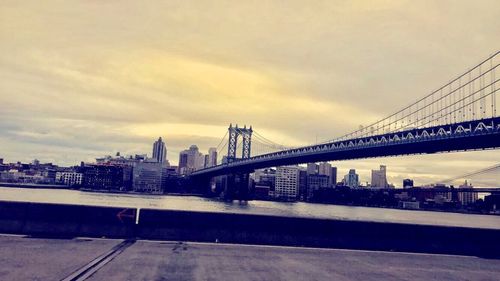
x,y
289,231
63,220
74,220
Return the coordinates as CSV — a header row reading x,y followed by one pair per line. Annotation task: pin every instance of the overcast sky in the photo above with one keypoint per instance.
x,y
83,79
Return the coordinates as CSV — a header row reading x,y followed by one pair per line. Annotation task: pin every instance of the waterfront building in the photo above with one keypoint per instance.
x,y
160,151
147,176
287,182
69,178
119,160
316,182
266,177
103,177
351,179
303,184
467,198
261,192
379,178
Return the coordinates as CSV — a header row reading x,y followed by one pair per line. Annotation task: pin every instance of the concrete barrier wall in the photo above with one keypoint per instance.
x,y
258,229
64,220
74,220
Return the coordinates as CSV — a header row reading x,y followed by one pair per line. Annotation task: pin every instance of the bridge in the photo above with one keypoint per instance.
x,y
461,115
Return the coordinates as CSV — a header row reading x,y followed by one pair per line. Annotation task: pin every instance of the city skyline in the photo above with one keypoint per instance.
x,y
79,95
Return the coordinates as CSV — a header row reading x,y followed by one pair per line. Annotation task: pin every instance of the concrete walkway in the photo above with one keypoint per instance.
x,y
25,258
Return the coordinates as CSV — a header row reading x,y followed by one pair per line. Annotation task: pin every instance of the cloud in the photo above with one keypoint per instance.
x,y
101,77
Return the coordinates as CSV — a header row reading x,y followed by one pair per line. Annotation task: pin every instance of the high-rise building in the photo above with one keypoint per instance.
x,y
302,184
212,157
287,182
183,162
466,198
160,151
352,179
379,178
334,176
326,169
191,160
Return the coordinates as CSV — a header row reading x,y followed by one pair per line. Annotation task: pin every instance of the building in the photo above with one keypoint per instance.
x,y
69,178
103,177
351,179
287,182
326,169
302,184
412,205
120,160
183,162
312,168
316,182
261,192
333,178
212,157
160,151
379,178
191,160
147,177
407,183
265,177
467,197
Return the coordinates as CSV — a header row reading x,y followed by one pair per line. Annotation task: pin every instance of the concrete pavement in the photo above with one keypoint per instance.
x,y
24,258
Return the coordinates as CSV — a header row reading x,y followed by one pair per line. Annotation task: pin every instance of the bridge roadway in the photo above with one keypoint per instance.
x,y
470,135
26,258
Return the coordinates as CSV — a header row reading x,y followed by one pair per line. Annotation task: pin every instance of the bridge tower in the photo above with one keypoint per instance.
x,y
236,185
232,147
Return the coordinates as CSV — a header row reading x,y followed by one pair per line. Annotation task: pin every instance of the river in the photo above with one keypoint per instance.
x,y
298,209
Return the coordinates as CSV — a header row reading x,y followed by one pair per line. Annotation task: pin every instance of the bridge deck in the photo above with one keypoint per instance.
x,y
470,135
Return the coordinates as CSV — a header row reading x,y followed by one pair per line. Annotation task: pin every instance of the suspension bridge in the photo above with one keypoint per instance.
x,y
459,116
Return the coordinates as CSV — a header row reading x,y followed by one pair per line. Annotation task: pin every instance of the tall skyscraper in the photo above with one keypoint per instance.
x,y
160,151
183,162
379,178
191,160
212,156
352,179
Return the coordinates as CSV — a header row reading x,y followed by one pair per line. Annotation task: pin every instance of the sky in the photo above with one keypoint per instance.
x,y
83,79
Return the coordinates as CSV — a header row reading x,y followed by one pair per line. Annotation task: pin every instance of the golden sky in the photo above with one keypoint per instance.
x,y
81,79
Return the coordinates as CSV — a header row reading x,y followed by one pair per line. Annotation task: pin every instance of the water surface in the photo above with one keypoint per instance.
x,y
298,209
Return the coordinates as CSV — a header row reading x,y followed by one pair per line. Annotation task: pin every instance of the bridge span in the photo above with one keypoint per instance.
x,y
471,135
461,115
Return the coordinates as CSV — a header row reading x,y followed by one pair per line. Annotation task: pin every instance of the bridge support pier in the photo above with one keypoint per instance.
x,y
236,186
